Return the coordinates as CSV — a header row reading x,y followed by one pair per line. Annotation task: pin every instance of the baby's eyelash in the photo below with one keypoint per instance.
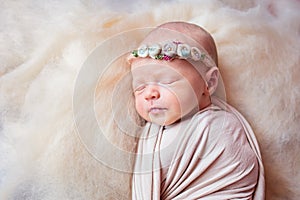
x,y
163,83
168,82
139,88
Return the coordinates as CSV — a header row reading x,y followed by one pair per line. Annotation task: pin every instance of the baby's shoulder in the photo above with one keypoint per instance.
x,y
217,119
220,127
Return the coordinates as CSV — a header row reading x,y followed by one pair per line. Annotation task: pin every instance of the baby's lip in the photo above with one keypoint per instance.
x,y
156,110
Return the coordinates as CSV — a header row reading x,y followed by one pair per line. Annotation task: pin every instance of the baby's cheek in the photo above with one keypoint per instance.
x,y
187,100
140,108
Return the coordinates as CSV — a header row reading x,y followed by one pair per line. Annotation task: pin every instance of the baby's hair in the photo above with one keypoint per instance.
x,y
197,33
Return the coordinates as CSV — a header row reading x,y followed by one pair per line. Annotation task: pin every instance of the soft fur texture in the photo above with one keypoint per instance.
x,y
45,43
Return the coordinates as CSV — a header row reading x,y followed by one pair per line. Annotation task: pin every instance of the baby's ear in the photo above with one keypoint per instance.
x,y
211,78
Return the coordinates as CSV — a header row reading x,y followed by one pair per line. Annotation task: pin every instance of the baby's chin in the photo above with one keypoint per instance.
x,y
162,121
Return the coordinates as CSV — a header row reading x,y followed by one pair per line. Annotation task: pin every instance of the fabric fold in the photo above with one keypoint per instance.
x,y
215,156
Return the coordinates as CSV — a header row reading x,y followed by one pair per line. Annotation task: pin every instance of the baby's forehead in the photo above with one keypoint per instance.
x,y
148,66
144,68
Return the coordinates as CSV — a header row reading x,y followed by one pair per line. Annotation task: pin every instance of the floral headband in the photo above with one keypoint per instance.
x,y
174,49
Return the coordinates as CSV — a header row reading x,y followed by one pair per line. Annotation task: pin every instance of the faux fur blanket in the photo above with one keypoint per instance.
x,y
44,45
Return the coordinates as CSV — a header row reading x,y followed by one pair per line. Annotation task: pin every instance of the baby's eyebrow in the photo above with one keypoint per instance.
x,y
138,77
138,81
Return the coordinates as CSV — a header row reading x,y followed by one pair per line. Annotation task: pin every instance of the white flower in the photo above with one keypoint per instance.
x,y
143,51
169,49
154,50
196,54
183,51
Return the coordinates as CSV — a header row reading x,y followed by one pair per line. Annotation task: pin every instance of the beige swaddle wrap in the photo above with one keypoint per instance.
x,y
215,156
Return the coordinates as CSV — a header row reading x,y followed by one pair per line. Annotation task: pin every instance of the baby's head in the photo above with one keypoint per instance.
x,y
174,72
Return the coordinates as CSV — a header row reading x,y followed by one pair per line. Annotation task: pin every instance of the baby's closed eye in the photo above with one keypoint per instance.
x,y
168,81
139,88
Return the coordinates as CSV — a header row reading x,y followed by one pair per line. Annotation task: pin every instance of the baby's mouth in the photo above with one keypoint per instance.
x,y
156,110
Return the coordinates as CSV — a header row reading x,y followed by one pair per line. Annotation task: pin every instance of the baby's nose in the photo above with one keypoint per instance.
x,y
152,93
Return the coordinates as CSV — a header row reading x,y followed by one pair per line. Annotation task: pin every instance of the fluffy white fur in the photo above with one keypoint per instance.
x,y
45,43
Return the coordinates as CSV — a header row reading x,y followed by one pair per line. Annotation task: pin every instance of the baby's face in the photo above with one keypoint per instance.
x,y
166,91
